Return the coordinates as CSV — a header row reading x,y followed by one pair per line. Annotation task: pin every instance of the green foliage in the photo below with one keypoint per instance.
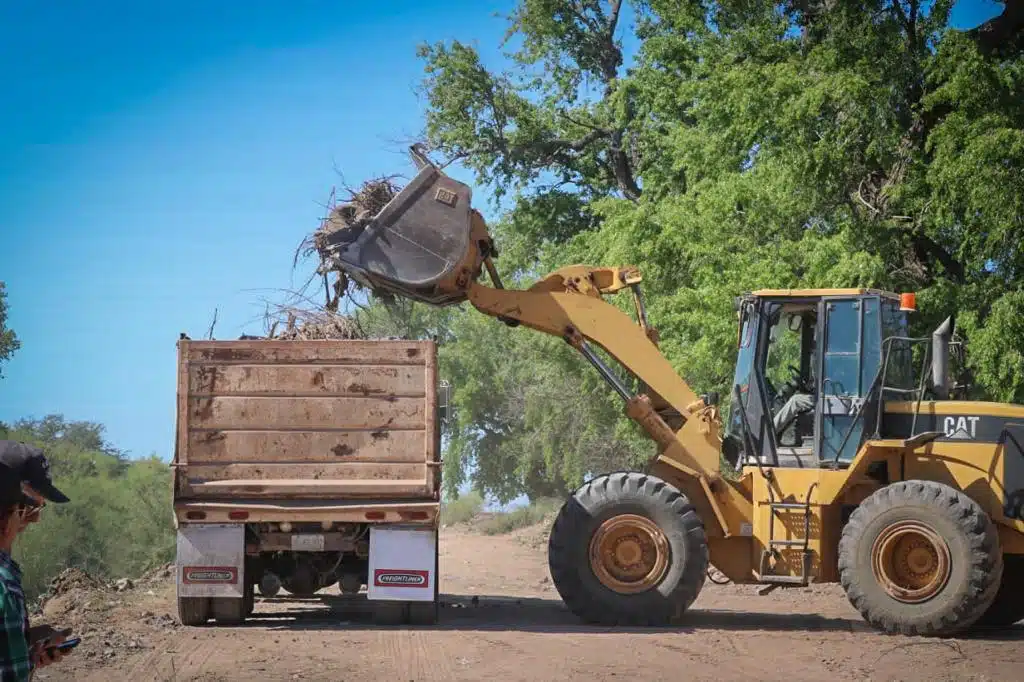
x,y
9,342
461,509
521,517
118,522
741,145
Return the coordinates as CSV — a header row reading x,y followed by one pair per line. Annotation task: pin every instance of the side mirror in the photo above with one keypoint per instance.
x,y
941,337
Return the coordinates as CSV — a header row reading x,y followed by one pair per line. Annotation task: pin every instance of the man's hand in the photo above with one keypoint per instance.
x,y
44,653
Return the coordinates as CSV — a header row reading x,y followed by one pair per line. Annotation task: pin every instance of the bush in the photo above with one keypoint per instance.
x,y
119,522
463,509
523,517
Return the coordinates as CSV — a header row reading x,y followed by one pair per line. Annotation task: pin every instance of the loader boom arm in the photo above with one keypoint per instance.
x,y
568,303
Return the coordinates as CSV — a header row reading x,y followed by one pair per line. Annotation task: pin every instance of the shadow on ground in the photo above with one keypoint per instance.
x,y
523,614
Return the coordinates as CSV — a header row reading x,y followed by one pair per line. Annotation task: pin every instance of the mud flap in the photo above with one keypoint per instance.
x,y
403,564
211,560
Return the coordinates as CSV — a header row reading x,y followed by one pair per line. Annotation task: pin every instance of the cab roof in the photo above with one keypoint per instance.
x,y
818,293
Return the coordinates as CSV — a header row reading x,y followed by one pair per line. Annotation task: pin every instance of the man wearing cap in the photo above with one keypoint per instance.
x,y
34,469
18,658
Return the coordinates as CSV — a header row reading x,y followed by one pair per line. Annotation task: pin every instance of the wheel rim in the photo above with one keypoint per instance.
x,y
910,561
629,554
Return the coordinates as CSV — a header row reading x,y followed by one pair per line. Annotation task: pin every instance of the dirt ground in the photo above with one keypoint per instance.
x,y
502,620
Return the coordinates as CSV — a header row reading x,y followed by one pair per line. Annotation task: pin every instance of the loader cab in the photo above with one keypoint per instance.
x,y
806,365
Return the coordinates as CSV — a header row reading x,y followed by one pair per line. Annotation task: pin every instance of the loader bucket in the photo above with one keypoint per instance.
x,y
419,245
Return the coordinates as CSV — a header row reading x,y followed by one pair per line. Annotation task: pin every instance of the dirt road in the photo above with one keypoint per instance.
x,y
502,620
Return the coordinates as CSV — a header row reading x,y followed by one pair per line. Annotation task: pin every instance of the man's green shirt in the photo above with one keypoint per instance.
x,y
15,661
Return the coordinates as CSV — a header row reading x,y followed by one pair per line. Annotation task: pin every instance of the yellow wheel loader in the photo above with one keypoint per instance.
x,y
854,464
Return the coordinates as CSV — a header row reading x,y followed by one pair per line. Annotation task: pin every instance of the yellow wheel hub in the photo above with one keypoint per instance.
x,y
629,554
910,561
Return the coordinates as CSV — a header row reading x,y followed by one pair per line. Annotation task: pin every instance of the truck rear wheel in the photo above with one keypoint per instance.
x,y
628,549
920,558
228,610
389,612
193,610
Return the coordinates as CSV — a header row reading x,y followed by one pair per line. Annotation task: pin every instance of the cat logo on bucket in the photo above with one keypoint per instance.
x,y
209,575
388,577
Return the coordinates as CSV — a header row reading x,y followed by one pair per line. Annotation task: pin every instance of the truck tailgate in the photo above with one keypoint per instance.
x,y
323,419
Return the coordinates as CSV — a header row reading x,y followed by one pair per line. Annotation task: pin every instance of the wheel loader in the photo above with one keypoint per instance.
x,y
849,458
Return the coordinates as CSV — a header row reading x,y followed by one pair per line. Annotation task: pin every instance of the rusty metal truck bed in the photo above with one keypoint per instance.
x,y
295,421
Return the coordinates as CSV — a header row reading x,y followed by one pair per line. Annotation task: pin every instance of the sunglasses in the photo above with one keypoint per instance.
x,y
31,505
29,509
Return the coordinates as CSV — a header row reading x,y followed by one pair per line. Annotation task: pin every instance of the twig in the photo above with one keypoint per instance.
x,y
213,323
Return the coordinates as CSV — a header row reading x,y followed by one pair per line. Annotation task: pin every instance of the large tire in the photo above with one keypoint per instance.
x,y
389,612
671,568
193,611
1008,606
920,558
250,599
228,610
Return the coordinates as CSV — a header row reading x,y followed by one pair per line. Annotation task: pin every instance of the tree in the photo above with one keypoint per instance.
x,y
725,146
118,522
9,342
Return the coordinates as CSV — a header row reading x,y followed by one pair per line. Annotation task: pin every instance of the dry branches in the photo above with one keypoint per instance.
x,y
302,325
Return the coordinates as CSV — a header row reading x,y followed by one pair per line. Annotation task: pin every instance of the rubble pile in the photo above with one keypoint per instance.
x,y
72,579
111,617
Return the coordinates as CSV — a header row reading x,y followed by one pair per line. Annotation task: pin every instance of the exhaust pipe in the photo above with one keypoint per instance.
x,y
941,337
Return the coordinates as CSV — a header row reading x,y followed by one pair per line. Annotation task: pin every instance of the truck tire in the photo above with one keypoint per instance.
x,y
920,558
193,611
1008,606
389,612
628,549
423,612
228,610
250,598
426,612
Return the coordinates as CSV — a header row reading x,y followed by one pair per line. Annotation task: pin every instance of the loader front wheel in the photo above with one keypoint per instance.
x,y
1008,606
920,558
628,549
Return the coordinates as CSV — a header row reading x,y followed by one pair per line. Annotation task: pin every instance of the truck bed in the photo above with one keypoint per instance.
x,y
306,420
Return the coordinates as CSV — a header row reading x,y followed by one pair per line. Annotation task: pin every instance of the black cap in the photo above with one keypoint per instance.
x,y
10,488
31,464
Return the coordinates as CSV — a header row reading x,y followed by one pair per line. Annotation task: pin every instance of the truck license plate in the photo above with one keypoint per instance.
x,y
308,543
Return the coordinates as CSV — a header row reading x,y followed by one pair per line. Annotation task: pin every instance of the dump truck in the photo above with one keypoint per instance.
x,y
299,464
856,459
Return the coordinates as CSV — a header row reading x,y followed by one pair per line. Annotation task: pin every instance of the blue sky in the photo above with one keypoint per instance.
x,y
162,160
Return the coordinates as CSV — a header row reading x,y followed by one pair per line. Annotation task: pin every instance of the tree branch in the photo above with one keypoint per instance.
x,y
927,249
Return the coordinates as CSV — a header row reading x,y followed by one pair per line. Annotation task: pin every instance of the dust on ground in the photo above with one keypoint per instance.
x,y
501,619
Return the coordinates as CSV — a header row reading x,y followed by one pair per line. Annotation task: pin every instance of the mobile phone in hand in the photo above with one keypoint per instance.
x,y
67,645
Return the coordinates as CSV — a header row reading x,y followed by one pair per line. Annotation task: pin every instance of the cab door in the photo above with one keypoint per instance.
x,y
848,351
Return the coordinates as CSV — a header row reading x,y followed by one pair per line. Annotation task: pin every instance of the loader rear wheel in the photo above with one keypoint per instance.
x,y
1008,606
628,549
920,558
